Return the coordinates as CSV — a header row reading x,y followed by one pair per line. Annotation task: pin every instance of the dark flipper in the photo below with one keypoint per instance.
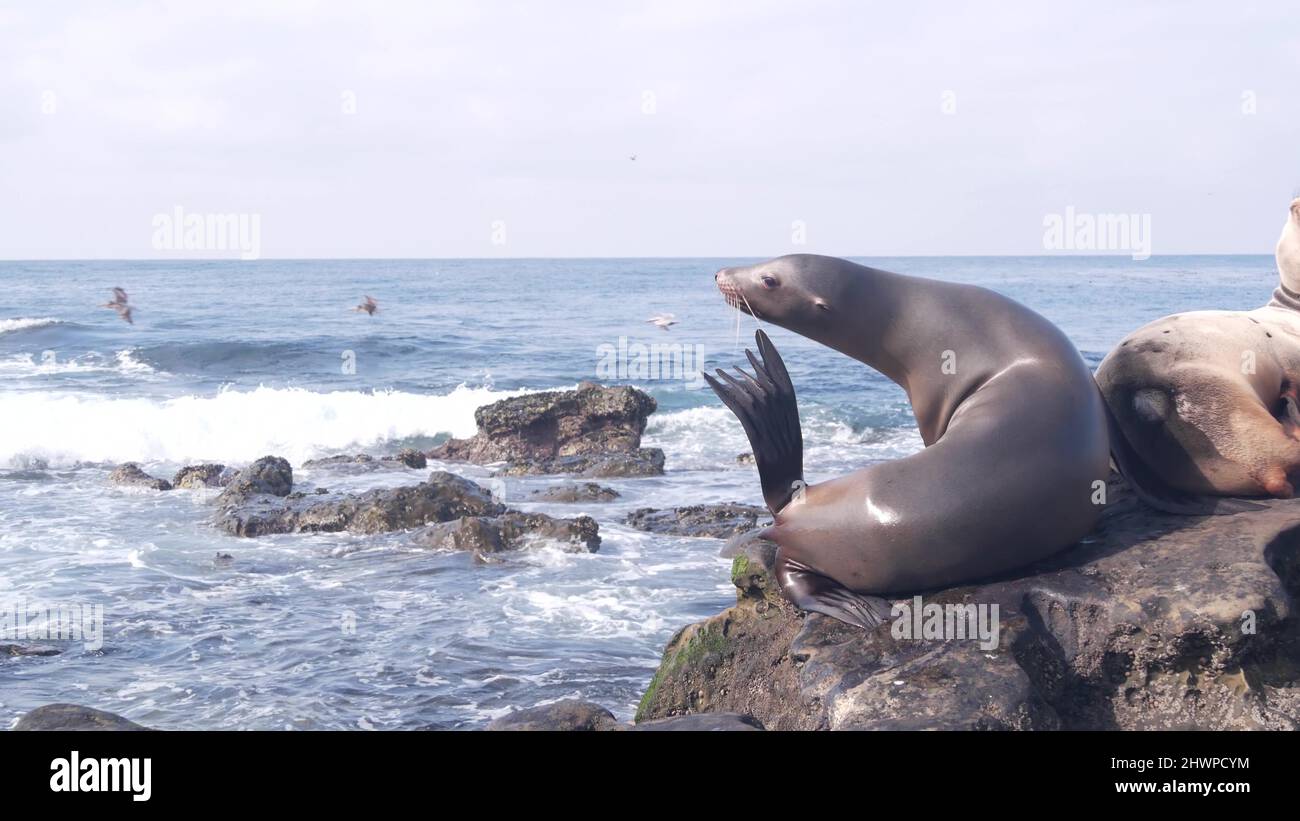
x,y
1153,490
809,590
766,406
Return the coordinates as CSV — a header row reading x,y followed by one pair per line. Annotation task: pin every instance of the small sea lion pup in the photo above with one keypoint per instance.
x,y
1206,401
1014,428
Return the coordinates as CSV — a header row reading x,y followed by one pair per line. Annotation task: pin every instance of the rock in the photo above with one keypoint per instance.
x,y
13,650
407,457
412,458
73,717
202,476
513,530
640,462
363,460
713,521
441,498
452,512
573,493
1153,622
130,475
702,722
745,459
536,433
270,475
568,715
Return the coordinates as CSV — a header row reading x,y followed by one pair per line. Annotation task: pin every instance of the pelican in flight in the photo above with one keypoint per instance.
x,y
120,305
367,307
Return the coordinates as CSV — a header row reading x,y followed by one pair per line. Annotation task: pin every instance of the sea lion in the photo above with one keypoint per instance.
x,y
1206,401
1015,431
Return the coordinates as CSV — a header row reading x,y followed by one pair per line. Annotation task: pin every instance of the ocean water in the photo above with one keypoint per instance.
x,y
229,361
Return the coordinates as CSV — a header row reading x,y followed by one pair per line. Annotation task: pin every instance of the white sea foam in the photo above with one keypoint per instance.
x,y
22,323
697,438
123,362
707,437
229,426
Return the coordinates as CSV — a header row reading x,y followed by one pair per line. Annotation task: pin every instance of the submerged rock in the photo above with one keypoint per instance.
x,y
1154,621
712,521
512,530
13,650
74,717
202,476
641,462
361,460
407,457
592,430
573,493
568,715
131,475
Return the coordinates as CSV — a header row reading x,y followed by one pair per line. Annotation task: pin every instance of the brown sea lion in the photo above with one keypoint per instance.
x,y
1015,431
1207,400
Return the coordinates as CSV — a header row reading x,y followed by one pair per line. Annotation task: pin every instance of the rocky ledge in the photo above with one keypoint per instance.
x,y
446,510
591,431
574,715
1154,621
712,521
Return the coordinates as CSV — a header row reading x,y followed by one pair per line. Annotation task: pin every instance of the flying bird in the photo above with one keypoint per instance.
x,y
632,158
120,305
662,321
367,307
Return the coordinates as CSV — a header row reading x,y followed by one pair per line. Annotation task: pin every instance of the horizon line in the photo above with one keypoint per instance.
x,y
236,259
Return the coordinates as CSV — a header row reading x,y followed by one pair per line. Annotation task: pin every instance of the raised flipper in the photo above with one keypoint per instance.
x,y
809,590
1153,490
766,406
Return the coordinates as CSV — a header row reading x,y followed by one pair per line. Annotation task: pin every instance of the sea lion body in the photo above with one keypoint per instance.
x,y
1207,400
1015,429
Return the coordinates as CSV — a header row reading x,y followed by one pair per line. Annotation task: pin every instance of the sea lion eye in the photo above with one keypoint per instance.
x,y
769,282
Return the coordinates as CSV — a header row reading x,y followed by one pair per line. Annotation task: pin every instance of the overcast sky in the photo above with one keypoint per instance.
x,y
884,127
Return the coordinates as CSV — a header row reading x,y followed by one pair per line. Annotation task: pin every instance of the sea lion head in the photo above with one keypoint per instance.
x,y
1288,249
799,292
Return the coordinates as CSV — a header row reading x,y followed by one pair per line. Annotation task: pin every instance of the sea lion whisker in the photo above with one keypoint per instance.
x,y
752,312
